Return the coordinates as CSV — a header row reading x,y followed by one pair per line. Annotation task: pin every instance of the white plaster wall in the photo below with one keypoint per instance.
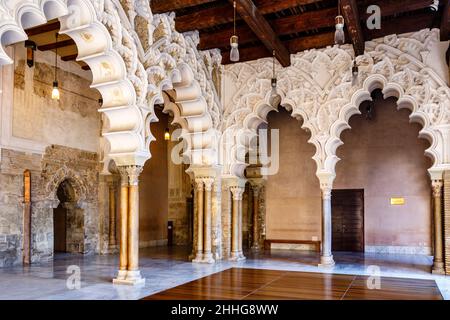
x,y
31,120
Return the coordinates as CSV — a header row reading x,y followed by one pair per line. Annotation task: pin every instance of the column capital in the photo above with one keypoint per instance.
x,y
326,180
199,184
124,181
237,192
208,181
133,174
436,186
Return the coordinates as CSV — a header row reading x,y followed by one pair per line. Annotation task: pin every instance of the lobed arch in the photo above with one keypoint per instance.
x,y
318,89
404,101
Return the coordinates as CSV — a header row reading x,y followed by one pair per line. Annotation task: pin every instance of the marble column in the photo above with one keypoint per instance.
x,y
112,214
123,251
133,273
438,262
255,243
326,259
129,273
446,222
27,217
236,224
199,186
207,245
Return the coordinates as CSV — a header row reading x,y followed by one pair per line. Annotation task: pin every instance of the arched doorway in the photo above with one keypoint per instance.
x,y
68,221
383,157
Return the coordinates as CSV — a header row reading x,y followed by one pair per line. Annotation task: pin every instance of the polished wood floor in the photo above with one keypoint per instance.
x,y
256,284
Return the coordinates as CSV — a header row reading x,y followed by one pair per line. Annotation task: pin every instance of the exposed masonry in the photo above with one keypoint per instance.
x,y
58,165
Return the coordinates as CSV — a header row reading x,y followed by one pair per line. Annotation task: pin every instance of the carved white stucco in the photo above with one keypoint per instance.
x,y
134,56
317,88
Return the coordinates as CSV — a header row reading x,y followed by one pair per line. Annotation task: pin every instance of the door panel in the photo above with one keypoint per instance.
x,y
59,229
348,220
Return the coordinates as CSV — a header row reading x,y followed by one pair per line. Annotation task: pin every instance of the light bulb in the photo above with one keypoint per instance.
x,y
167,135
355,73
234,54
55,91
273,92
339,35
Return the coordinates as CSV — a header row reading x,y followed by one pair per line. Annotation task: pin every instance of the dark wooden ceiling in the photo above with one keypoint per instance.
x,y
286,26
290,26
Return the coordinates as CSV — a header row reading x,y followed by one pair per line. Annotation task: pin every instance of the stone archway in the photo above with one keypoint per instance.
x,y
68,221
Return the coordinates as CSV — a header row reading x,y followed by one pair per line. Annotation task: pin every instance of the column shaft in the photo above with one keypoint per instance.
x,y
112,215
123,227
438,264
207,248
326,257
255,245
200,197
133,229
235,230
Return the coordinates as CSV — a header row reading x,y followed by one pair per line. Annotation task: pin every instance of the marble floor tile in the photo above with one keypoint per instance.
x,y
165,268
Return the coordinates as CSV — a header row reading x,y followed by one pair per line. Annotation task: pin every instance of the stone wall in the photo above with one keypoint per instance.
x,y
58,164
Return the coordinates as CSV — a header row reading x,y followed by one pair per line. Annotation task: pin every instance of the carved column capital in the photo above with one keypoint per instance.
x,y
133,174
123,176
436,186
208,181
199,184
237,192
326,193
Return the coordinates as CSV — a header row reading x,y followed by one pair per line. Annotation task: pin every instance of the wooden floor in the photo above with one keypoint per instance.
x,y
256,284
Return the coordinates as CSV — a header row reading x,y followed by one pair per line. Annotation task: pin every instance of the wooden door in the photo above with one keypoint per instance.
x,y
59,229
348,220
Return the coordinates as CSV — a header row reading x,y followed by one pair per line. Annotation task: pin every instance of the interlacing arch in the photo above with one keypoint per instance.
x,y
134,58
318,89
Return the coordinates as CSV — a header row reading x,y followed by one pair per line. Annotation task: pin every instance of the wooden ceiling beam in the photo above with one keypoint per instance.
x,y
351,15
445,22
398,26
402,25
59,44
391,7
223,14
161,6
307,21
71,57
52,26
262,29
283,26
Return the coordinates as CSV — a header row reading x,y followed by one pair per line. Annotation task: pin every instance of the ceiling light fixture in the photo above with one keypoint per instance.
x,y
339,35
55,91
434,6
31,48
234,40
355,73
274,77
167,134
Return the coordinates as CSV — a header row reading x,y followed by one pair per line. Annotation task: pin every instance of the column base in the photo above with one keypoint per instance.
x,y
327,262
208,258
237,256
198,258
133,278
121,275
113,249
438,268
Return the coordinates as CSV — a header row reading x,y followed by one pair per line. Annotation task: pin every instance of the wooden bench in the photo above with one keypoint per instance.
x,y
268,242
